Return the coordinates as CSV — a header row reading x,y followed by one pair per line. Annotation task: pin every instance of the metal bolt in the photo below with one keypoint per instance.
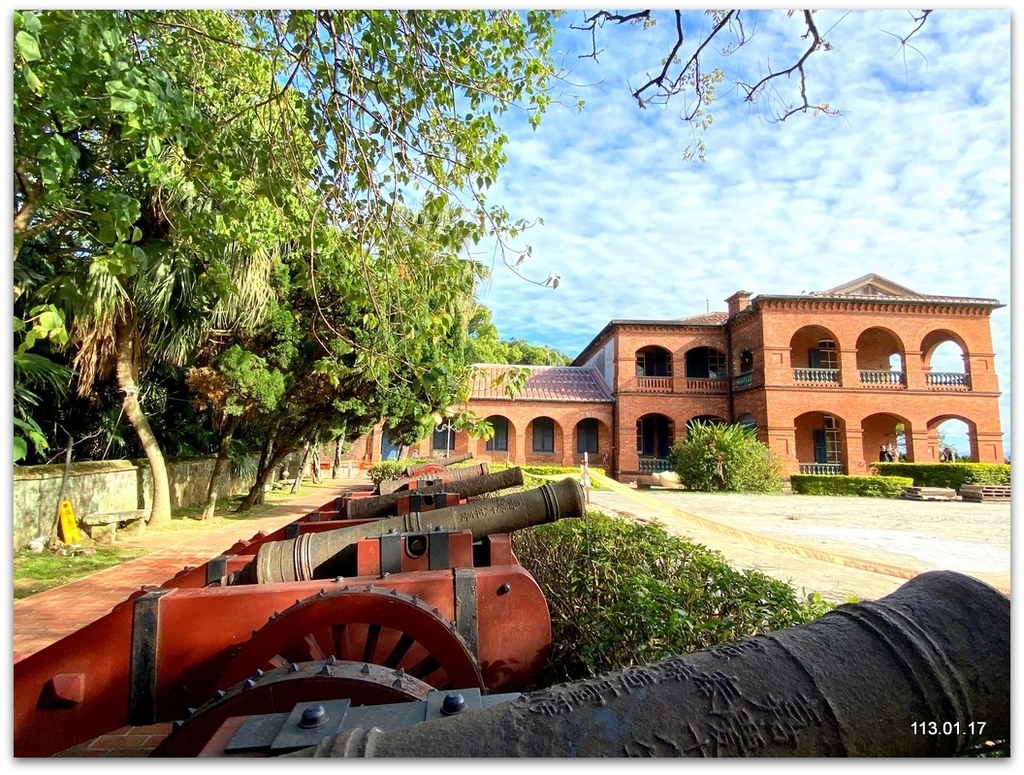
x,y
453,703
313,716
504,589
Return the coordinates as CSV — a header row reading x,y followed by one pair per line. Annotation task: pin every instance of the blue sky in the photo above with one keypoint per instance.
x,y
912,182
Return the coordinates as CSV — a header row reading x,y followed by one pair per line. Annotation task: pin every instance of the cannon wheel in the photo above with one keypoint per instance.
x,y
370,625
281,689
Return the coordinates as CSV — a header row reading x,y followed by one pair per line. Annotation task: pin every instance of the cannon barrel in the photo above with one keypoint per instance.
x,y
924,671
415,470
381,505
453,474
321,555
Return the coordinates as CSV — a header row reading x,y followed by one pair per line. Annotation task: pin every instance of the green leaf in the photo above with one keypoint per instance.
x,y
28,46
20,449
123,105
32,80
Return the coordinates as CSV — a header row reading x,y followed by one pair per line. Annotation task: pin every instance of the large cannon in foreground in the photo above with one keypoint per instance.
x,y
924,671
330,554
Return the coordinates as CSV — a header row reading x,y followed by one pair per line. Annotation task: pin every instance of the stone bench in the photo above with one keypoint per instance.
x,y
102,527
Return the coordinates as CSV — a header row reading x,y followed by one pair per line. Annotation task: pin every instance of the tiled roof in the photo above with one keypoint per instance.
x,y
705,318
545,383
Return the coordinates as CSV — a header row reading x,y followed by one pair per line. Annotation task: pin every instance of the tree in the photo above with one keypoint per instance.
x,y
729,458
692,68
485,346
162,158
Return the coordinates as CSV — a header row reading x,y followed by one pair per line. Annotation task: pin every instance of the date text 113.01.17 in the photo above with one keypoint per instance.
x,y
947,727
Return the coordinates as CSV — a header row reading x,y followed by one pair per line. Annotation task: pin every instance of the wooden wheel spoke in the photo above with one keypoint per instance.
x,y
425,667
370,648
399,651
315,652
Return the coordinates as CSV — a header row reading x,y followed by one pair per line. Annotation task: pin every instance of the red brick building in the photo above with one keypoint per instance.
x,y
823,377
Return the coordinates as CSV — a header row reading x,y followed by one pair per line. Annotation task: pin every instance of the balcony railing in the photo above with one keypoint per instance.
x,y
650,465
707,385
654,384
816,376
822,469
947,380
883,379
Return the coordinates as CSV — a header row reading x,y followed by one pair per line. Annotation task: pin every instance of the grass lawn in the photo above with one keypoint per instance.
x,y
36,572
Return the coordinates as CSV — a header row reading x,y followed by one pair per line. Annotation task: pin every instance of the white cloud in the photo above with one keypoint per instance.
x,y
913,182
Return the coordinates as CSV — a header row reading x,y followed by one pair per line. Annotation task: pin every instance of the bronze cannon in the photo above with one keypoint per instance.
x,y
376,506
924,671
449,474
326,554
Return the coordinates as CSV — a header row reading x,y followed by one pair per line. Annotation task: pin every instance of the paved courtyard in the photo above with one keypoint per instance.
x,y
839,547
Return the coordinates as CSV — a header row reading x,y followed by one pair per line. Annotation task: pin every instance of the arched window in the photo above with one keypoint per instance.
x,y
586,436
543,435
444,438
653,362
499,441
824,355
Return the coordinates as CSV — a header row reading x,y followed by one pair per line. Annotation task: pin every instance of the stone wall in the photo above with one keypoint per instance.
x,y
114,485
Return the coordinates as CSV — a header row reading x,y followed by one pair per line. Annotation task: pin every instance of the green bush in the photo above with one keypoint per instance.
x,y
952,475
625,593
863,486
387,470
725,458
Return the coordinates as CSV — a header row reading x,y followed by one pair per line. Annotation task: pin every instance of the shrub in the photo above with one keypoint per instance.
x,y
625,593
727,458
387,470
953,475
864,486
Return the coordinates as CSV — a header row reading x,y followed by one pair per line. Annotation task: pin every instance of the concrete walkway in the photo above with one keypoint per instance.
x,y
839,547
45,618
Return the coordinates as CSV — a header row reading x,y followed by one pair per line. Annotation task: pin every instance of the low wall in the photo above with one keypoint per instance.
x,y
113,485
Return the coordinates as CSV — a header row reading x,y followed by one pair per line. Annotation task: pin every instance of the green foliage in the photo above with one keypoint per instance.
x,y
625,593
386,470
727,458
952,475
863,486
485,346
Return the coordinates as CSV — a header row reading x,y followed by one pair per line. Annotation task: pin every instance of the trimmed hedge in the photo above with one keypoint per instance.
x,y
862,486
624,592
953,475
386,470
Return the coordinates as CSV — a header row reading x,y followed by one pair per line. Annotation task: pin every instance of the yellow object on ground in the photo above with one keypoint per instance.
x,y
68,526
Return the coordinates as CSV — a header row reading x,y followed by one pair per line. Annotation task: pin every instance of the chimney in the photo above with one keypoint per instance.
x,y
738,302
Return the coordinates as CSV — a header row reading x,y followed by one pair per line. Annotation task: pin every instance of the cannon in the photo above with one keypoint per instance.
x,y
449,475
197,650
924,671
435,466
329,554
374,507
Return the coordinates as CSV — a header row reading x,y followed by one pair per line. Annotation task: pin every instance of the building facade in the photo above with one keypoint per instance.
x,y
825,378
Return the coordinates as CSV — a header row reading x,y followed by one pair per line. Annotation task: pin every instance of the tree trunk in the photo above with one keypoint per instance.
x,y
303,466
281,451
315,464
218,469
337,458
127,385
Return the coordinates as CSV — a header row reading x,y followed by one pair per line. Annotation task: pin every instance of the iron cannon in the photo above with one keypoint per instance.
x,y
449,475
376,506
924,671
330,553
